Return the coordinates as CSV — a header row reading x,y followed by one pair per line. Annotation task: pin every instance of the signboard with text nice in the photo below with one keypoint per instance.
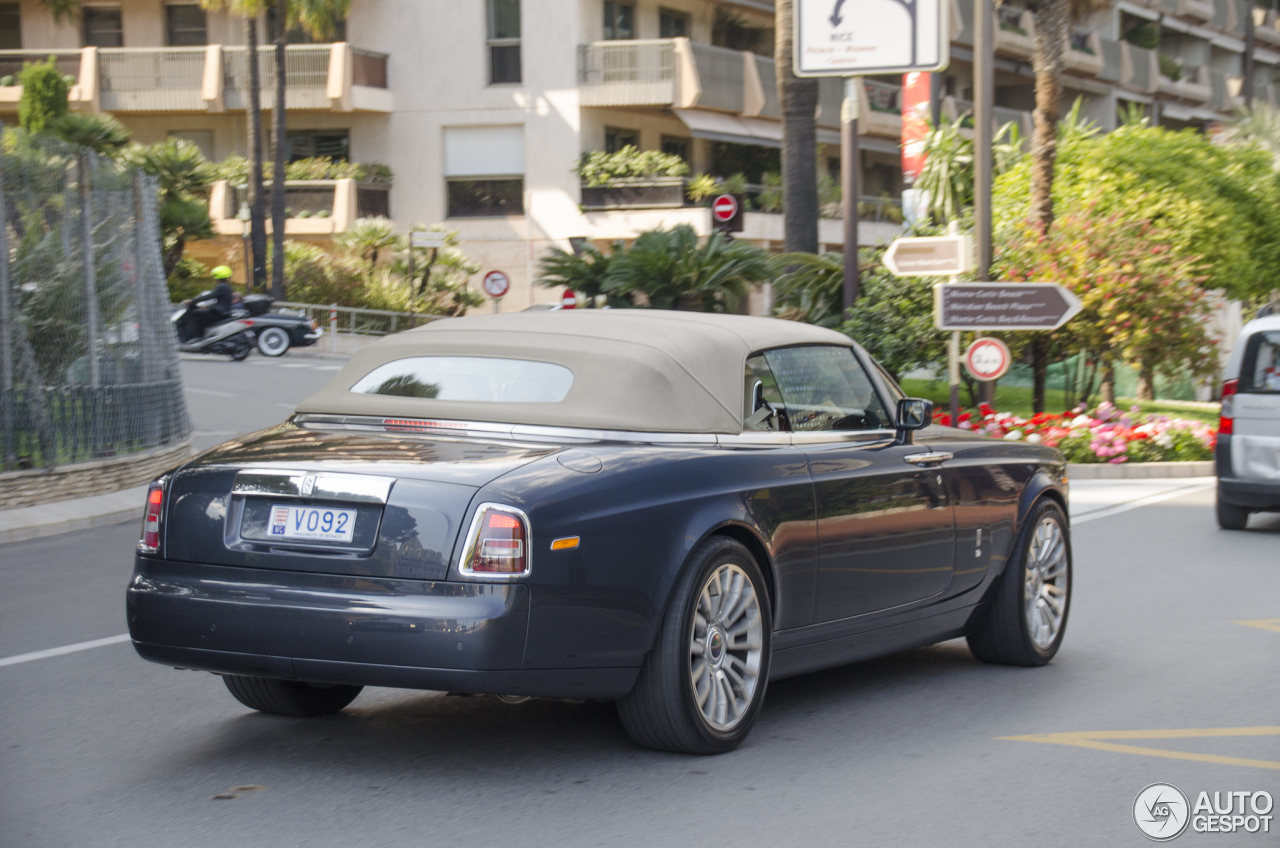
x,y
1002,306
840,38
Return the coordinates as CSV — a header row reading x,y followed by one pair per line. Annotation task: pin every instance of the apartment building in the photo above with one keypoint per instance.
x,y
482,108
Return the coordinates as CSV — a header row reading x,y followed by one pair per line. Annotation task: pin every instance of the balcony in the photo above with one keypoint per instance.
x,y
1199,10
1015,32
1266,26
882,114
627,73
1193,85
1084,54
329,77
314,207
1139,68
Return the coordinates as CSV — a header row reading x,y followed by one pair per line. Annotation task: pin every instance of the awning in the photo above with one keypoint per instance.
x,y
720,126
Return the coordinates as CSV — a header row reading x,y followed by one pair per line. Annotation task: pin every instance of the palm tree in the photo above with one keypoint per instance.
x,y
250,10
184,176
583,273
672,270
798,100
320,19
367,237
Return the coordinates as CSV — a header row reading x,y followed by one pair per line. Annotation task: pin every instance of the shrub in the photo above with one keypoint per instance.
x,y
598,168
44,96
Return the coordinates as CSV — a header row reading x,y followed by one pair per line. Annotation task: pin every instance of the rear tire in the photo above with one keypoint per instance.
x,y
1028,614
1230,516
290,697
701,686
273,341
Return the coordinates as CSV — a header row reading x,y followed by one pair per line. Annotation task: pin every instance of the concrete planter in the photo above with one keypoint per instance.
x,y
1138,470
636,193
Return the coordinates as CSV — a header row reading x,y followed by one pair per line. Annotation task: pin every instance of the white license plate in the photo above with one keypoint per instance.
x,y
312,522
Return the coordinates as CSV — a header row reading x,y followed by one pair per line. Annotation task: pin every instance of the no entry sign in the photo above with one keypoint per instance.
x,y
496,284
987,359
723,208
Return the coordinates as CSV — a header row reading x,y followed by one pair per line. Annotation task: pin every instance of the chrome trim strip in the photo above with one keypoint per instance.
x,y
473,534
927,459
827,437
313,485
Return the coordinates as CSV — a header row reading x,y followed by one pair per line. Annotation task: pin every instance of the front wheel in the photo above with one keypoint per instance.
x,y
1028,614
273,341
241,350
290,697
701,686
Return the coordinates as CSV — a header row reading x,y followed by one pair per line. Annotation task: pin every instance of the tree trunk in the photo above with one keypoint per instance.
x,y
1051,31
1147,383
1039,372
281,155
173,255
1108,388
798,101
257,212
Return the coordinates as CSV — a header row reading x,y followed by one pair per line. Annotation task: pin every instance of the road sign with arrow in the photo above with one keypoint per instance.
x,y
930,257
1003,306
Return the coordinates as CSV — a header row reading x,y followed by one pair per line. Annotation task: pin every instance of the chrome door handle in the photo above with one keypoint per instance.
x,y
928,460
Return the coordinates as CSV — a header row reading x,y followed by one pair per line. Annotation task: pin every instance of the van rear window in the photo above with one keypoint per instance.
x,y
471,378
1261,371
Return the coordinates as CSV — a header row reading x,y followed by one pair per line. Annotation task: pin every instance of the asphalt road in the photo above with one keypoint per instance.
x,y
99,748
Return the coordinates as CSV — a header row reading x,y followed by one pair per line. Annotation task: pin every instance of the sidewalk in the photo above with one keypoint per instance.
x,y
54,519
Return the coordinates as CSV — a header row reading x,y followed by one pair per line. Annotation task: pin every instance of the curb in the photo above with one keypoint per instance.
x,y
1139,470
54,519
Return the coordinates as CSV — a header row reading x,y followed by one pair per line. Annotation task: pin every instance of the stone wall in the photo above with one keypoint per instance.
x,y
82,479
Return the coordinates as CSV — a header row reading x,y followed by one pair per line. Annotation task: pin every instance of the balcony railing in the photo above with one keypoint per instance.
x,y
627,73
306,76
13,61
312,207
151,80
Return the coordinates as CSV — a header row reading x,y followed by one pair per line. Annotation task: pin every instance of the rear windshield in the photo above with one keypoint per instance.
x,y
471,378
1261,371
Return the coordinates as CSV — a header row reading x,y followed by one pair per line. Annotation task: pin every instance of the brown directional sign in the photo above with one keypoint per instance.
x,y
1002,306
934,256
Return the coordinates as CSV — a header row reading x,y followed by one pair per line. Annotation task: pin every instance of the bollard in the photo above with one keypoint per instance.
x,y
333,328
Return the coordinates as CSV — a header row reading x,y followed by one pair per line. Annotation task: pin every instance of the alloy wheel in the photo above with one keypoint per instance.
x,y
1045,591
726,647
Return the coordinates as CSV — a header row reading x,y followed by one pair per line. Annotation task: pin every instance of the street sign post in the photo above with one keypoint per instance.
x,y
840,38
852,38
496,284
930,257
726,213
987,359
1002,306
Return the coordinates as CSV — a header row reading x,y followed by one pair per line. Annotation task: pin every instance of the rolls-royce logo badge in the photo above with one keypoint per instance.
x,y
308,483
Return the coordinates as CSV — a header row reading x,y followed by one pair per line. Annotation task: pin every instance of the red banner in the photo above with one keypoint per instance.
x,y
916,106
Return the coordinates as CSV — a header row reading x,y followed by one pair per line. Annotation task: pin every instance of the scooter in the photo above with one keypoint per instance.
x,y
231,337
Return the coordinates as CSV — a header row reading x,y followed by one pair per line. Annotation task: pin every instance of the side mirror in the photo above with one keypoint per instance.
x,y
913,414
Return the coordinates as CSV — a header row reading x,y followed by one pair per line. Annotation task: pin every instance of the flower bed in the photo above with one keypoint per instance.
x,y
1104,434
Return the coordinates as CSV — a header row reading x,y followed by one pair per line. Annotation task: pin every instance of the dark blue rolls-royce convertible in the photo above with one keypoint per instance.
x,y
664,509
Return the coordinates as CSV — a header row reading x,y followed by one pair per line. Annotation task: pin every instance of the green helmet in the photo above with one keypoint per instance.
x,y
222,272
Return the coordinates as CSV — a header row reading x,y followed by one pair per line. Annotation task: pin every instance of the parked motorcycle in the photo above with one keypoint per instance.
x,y
231,336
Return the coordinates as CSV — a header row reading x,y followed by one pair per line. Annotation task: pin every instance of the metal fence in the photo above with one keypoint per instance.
x,y
88,359
364,322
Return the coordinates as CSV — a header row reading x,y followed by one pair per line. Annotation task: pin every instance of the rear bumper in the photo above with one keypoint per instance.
x,y
1249,493
335,629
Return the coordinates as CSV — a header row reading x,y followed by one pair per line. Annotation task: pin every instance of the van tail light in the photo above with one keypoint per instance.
x,y
498,543
1226,420
152,516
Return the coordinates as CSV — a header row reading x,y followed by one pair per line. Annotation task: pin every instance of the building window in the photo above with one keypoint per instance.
x,y
674,145
187,25
202,139
619,21
103,26
504,41
10,27
672,24
308,144
484,171
615,139
299,35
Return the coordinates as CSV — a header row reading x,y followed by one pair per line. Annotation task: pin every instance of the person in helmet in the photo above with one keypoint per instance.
x,y
220,309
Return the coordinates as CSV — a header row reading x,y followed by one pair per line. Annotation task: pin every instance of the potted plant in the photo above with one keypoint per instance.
x,y
631,179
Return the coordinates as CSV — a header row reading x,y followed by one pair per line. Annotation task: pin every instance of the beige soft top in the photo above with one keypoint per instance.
x,y
644,370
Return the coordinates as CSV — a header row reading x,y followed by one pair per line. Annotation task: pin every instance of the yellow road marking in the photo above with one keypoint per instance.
x,y
1095,740
1262,623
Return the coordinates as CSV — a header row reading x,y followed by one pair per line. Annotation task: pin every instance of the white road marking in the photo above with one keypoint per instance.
x,y
1150,499
208,392
328,367
65,649
295,365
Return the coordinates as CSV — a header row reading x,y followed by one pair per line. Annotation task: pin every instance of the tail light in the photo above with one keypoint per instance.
x,y
1225,421
152,517
498,543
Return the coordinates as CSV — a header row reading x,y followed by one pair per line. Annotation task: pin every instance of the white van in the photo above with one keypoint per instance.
x,y
1247,458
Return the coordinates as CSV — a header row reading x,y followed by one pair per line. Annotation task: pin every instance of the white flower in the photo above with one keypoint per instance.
x,y
1001,416
1034,438
1081,421
1164,440
1013,435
